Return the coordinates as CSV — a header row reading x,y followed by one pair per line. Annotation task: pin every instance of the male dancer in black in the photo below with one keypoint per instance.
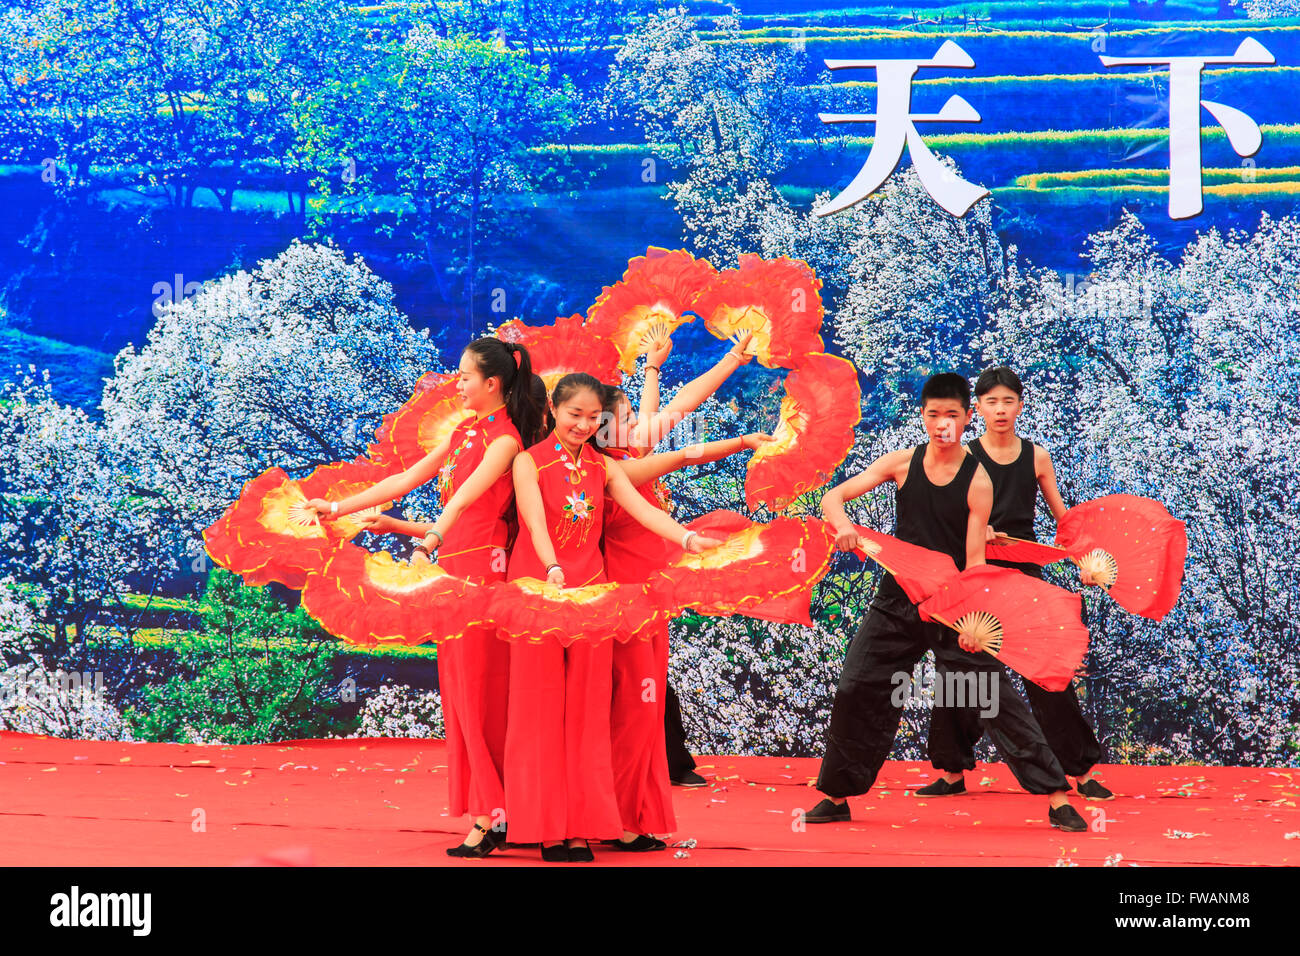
x,y
1018,469
943,502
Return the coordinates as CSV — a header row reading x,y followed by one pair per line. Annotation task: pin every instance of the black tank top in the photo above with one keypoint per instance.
x,y
1015,492
932,516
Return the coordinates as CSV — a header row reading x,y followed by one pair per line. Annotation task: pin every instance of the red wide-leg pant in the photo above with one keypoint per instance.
x,y
641,779
474,678
559,774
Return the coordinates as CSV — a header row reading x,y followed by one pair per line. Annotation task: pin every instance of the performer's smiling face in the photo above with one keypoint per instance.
x,y
475,391
999,407
577,418
945,419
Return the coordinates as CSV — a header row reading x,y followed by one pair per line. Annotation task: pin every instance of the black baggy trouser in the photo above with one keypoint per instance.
x,y
680,761
954,731
866,714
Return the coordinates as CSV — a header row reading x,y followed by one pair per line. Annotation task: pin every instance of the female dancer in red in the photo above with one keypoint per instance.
x,y
640,667
559,771
471,536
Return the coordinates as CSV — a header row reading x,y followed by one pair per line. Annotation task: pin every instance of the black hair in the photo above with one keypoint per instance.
x,y
947,385
610,396
496,359
570,385
991,378
544,423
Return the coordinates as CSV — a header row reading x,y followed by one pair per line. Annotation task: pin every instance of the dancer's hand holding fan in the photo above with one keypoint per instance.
x,y
272,533
1031,626
649,302
1133,547
919,571
775,303
1128,545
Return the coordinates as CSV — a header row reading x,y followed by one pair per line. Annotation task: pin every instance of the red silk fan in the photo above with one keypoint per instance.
x,y
1031,626
919,571
650,301
269,534
531,610
1022,551
567,346
777,300
372,599
1134,548
821,408
765,571
428,417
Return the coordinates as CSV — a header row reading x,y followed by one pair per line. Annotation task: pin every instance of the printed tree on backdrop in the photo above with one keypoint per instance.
x,y
1178,381
570,38
907,286
725,111
74,528
444,125
256,673
293,364
169,98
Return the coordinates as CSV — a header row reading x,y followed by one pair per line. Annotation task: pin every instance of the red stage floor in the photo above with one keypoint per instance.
x,y
381,801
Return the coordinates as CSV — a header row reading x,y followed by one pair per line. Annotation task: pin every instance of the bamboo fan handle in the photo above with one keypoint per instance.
x,y
1101,565
303,516
984,628
655,333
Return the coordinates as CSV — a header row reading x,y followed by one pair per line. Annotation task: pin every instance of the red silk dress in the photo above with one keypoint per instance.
x,y
559,773
474,669
640,674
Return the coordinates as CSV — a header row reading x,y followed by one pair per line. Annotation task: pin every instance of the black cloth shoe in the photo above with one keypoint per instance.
x,y
1093,790
689,779
555,854
491,841
828,812
581,854
1065,817
641,844
942,788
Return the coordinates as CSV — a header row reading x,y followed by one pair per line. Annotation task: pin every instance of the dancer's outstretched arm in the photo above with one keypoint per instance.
x,y
496,462
654,361
1046,475
641,470
885,468
391,488
532,514
653,425
617,485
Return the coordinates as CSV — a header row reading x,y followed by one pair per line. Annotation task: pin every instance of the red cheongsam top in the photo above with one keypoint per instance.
x,y
633,551
476,546
573,497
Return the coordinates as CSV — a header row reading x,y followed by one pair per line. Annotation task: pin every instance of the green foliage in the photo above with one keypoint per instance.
x,y
257,673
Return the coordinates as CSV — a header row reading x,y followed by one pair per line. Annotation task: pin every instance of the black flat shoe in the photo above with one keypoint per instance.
x,y
689,779
641,844
1093,790
1067,818
942,788
581,854
555,854
828,812
491,841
